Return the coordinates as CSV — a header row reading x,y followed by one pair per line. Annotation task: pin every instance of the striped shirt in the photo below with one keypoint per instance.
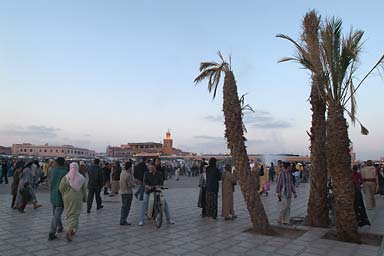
x,y
284,184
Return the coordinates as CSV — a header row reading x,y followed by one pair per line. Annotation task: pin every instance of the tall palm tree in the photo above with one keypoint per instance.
x,y
234,133
317,210
339,62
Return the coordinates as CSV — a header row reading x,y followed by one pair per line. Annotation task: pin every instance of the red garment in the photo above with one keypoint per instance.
x,y
357,180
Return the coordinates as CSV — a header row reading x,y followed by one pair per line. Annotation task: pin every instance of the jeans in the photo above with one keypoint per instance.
x,y
91,192
144,208
140,191
56,219
297,181
126,200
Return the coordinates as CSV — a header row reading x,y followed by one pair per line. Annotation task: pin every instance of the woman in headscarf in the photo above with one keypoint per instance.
x,y
213,176
74,192
26,176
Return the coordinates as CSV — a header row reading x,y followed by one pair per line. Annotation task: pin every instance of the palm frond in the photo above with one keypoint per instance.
x,y
286,37
221,57
211,71
285,59
216,81
205,65
301,56
363,129
353,104
379,64
204,75
244,108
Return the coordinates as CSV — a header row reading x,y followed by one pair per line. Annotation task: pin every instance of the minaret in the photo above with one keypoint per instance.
x,y
167,144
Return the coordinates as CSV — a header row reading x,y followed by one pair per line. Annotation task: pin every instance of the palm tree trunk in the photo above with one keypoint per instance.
x,y
339,163
235,138
317,211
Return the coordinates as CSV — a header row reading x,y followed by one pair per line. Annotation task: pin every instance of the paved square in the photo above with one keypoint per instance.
x,y
101,234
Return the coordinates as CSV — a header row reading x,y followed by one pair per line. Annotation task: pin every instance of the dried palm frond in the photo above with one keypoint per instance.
x,y
363,129
244,108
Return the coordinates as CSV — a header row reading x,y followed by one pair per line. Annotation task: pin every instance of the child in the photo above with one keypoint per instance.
x,y
26,196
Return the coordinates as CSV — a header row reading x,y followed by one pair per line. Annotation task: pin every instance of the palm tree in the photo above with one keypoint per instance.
x,y
339,62
317,211
234,133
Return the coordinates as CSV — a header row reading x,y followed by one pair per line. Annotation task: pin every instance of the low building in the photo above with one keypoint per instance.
x,y
5,150
66,151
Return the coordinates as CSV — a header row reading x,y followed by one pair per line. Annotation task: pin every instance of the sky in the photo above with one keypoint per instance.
x,y
97,73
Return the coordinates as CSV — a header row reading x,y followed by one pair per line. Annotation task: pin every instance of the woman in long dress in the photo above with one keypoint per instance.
x,y
361,214
228,182
212,190
74,192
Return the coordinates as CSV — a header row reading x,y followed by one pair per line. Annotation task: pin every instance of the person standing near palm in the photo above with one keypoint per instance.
x,y
213,177
371,184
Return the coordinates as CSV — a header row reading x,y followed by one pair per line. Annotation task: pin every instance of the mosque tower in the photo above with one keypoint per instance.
x,y
167,144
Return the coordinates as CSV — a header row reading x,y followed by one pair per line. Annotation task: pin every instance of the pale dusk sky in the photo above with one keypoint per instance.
x,y
98,73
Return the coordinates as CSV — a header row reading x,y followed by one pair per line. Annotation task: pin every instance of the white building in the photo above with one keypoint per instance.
x,y
66,151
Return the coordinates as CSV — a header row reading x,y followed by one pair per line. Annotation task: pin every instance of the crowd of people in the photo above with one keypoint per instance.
x,y
73,183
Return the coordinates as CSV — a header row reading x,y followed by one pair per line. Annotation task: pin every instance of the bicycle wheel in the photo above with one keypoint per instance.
x,y
159,215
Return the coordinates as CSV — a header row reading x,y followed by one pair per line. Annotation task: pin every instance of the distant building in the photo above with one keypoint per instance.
x,y
145,149
66,151
5,150
167,144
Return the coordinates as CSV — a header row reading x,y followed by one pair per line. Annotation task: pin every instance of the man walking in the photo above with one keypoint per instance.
x,y
284,189
95,183
57,174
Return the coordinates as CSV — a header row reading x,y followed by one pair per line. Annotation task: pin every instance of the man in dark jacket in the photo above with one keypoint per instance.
x,y
138,174
95,183
57,174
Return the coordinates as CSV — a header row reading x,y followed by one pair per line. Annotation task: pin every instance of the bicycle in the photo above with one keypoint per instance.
x,y
157,206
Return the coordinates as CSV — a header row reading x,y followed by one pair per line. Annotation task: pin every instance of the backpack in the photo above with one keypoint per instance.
x,y
261,172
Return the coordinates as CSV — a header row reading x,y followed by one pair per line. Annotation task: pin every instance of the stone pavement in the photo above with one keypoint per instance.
x,y
101,234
